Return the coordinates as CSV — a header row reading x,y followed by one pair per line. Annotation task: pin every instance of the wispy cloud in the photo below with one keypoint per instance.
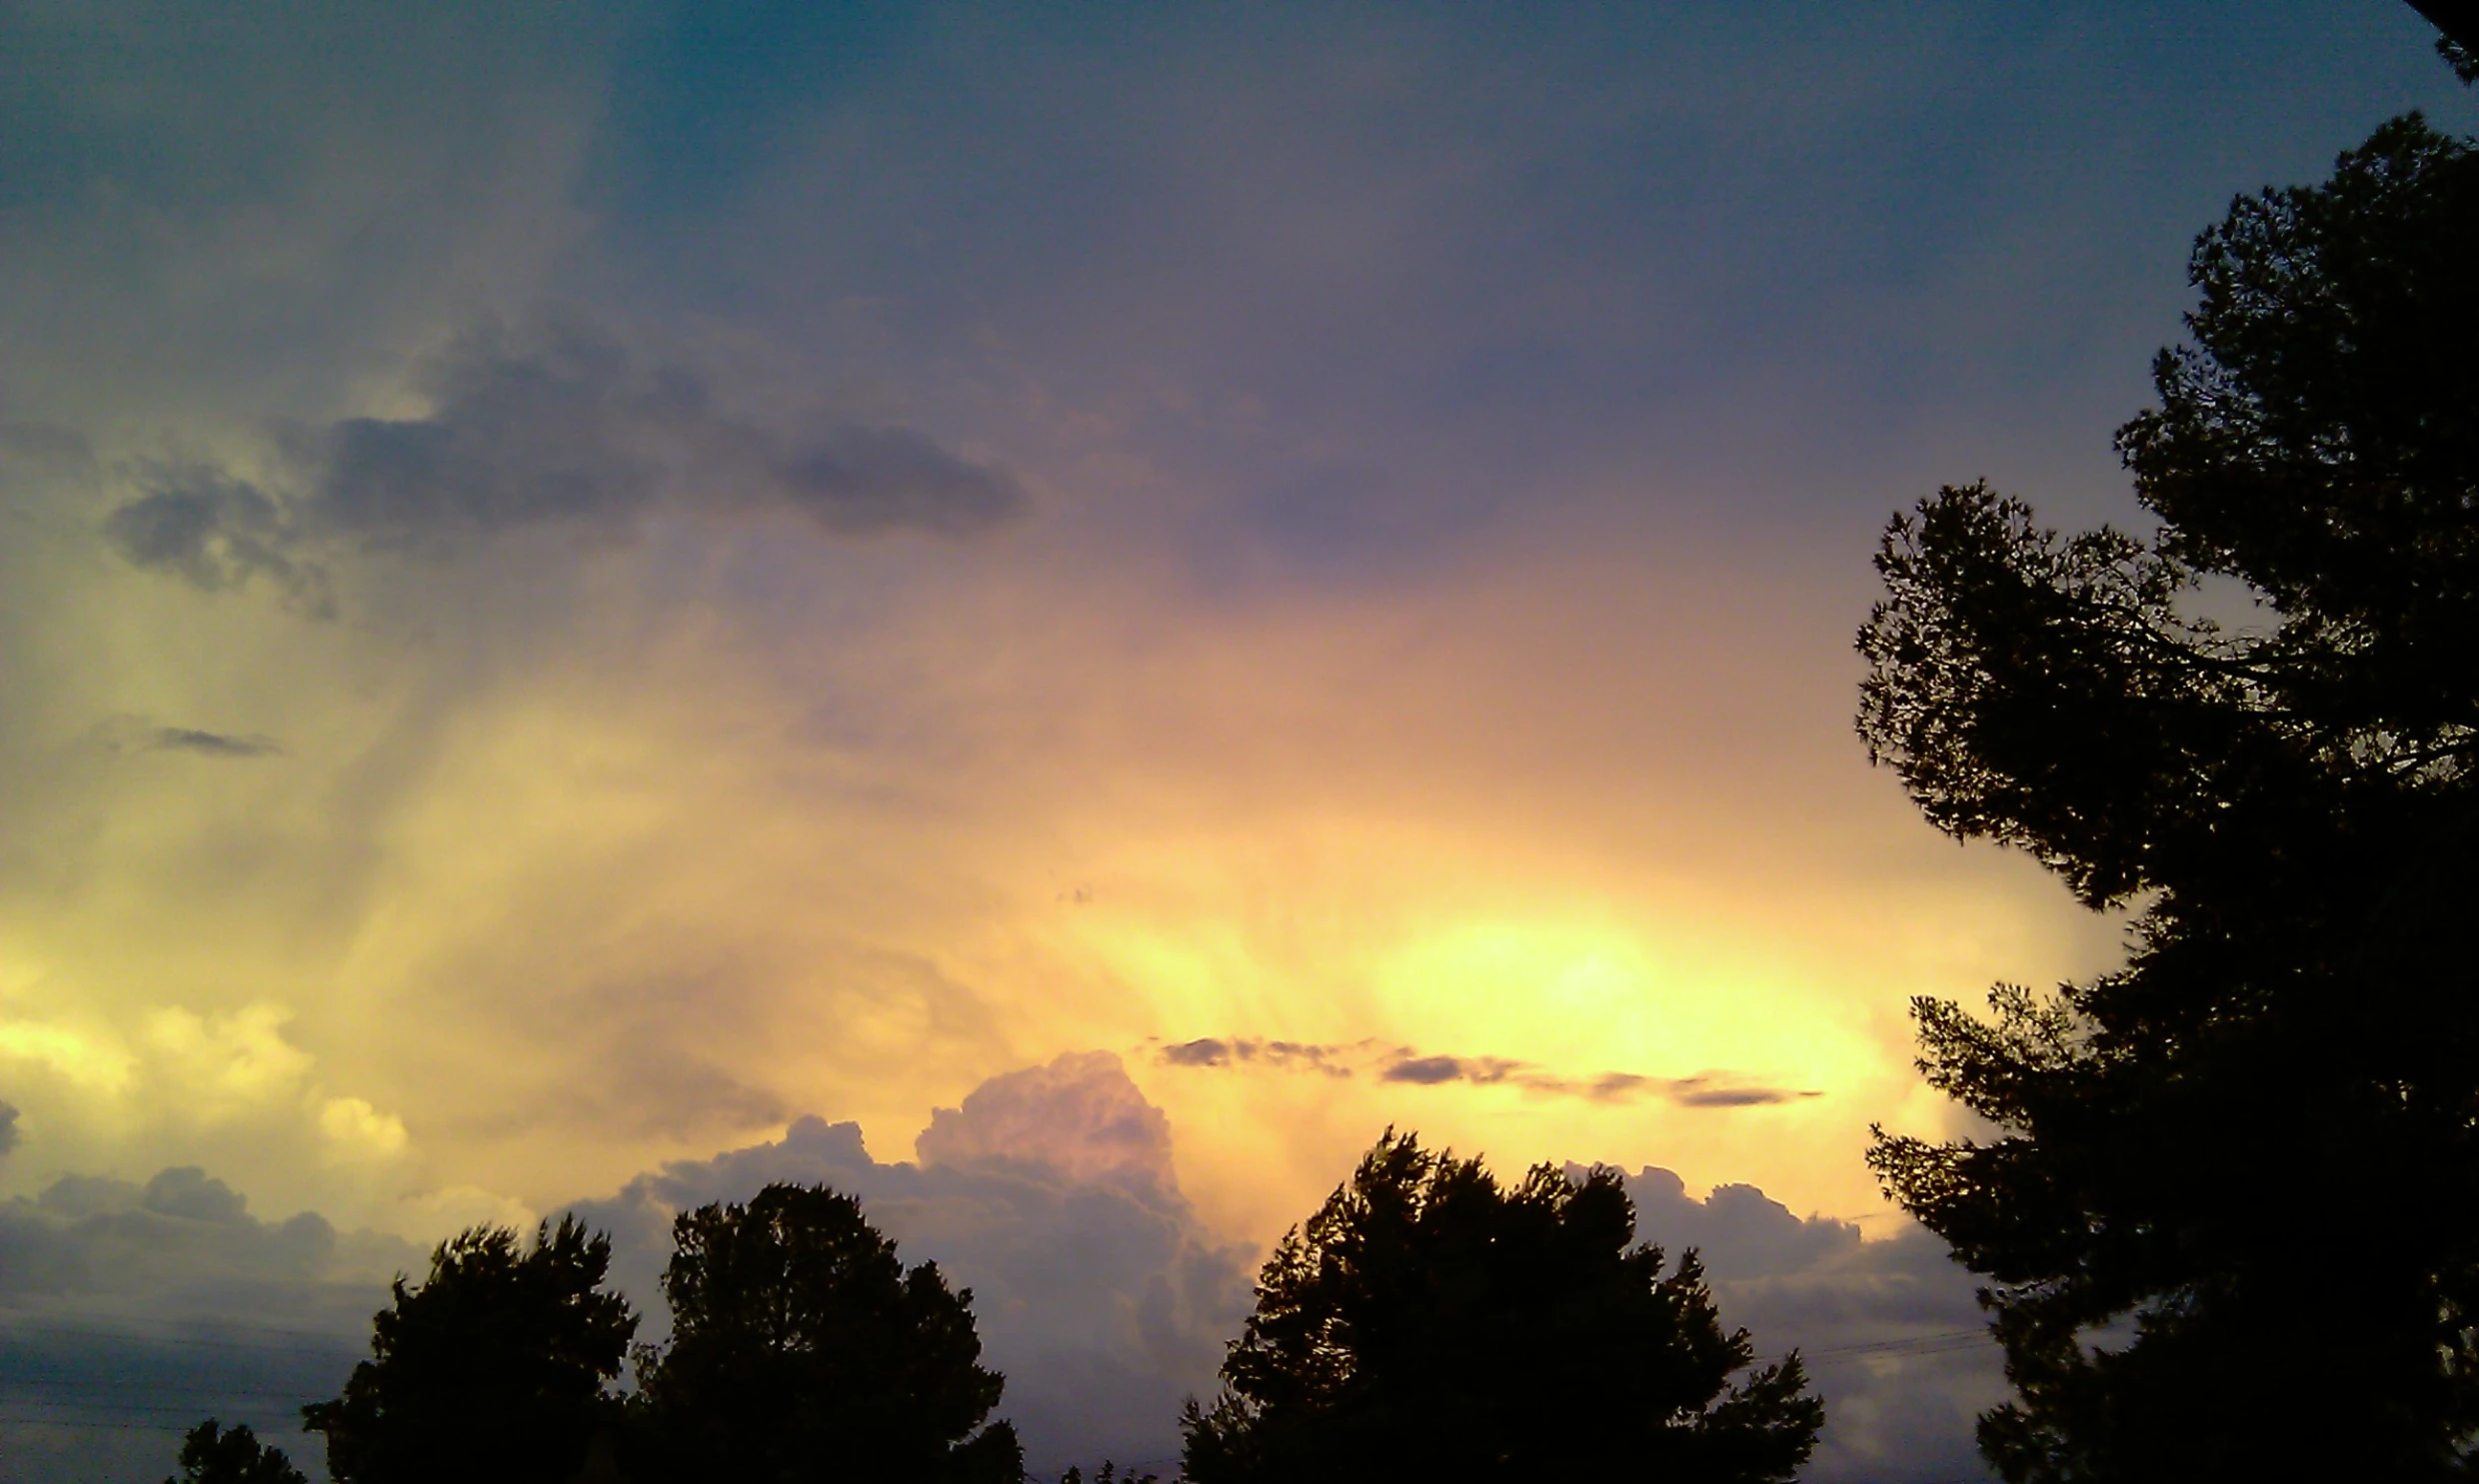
x,y
1408,1065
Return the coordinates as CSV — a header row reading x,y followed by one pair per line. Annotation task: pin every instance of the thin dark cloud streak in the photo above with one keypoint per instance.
x,y
1407,1065
563,427
213,744
130,735
1236,1050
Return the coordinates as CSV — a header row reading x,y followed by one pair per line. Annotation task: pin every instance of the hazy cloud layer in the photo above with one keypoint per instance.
x,y
1406,1064
566,428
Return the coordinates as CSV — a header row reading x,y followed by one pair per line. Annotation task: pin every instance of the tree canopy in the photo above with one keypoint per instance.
x,y
494,1368
214,1454
2250,1157
1428,1323
802,1349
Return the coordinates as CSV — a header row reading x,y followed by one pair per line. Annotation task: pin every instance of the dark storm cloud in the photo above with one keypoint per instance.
x,y
1406,1064
8,1130
564,428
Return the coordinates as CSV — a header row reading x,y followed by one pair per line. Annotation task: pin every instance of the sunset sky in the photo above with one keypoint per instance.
x,y
581,584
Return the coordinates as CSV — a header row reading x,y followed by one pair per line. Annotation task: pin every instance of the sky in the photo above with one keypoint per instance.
x,y
1051,614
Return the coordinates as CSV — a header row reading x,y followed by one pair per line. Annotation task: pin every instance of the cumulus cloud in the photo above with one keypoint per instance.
x,y
1080,1117
1408,1065
564,427
1890,1330
1050,1193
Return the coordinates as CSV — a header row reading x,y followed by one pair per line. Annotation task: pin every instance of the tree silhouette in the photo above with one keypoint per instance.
x,y
494,1368
2459,21
2254,1149
1429,1324
802,1349
212,1454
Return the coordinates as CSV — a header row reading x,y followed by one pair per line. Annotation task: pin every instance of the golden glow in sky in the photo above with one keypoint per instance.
x,y
590,597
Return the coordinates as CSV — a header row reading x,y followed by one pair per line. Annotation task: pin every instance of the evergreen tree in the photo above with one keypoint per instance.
x,y
802,1349
2249,1158
492,1369
213,1454
1428,1323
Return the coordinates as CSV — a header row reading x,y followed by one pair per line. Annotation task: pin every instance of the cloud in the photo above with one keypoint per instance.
x,y
1890,1330
1705,1092
1050,1193
213,744
564,427
216,530
1406,1064
1080,1117
1202,1053
1427,1071
128,1312
130,733
182,1244
1305,1057
858,481
8,1130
